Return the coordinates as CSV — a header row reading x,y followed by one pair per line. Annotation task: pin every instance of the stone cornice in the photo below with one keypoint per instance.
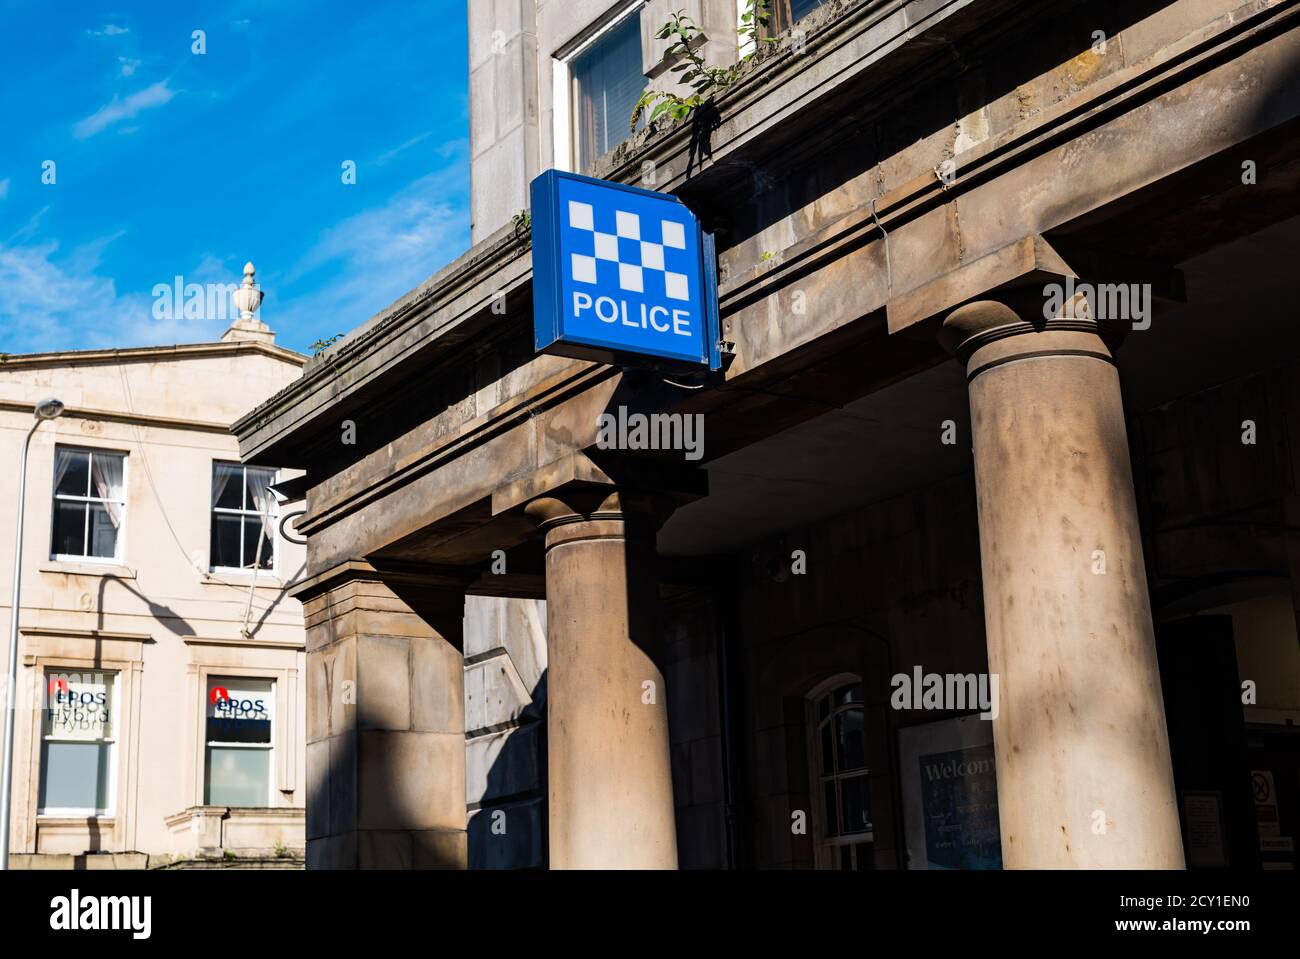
x,y
146,354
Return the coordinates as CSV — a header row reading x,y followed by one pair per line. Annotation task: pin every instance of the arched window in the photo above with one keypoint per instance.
x,y
840,784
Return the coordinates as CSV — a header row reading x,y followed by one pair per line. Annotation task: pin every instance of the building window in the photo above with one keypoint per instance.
x,y
78,744
89,504
786,13
243,518
237,767
842,795
607,80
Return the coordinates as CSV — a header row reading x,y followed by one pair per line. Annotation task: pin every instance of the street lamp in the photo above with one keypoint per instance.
x,y
46,409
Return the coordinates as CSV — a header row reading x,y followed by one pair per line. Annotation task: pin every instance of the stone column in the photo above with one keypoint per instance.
x,y
1083,769
610,778
385,720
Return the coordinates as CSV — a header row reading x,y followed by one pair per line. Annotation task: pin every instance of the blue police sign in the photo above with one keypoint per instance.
x,y
621,275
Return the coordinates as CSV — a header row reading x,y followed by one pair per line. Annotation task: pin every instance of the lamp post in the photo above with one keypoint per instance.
x,y
46,409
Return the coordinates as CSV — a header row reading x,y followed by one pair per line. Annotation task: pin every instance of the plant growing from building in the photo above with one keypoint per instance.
x,y
523,221
706,81
321,345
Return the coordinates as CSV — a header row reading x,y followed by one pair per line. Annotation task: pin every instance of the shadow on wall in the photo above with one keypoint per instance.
x,y
508,804
167,617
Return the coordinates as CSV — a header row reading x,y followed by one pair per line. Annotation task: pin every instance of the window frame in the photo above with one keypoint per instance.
x,y
269,747
119,544
271,572
61,812
782,16
827,848
564,140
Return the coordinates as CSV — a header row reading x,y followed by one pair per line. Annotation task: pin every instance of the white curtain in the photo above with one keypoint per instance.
x,y
221,479
262,499
62,460
106,473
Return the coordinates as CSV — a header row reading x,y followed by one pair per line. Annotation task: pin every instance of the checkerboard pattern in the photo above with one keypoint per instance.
x,y
648,256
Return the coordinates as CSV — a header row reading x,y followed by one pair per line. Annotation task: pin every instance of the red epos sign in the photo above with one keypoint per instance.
x,y
219,694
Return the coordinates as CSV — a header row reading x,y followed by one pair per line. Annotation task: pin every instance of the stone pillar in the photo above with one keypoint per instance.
x,y
385,720
610,778
1083,769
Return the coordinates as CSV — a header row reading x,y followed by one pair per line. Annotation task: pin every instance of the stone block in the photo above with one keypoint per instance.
x,y
411,780
436,686
482,124
333,852
493,694
383,682
384,849
439,849
318,789
343,783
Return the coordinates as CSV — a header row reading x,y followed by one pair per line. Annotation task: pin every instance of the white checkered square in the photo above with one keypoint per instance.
x,y
631,278
629,225
607,247
584,268
652,256
674,235
581,216
677,286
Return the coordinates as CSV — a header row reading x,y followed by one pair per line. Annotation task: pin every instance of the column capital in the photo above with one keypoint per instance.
x,y
582,504
1023,324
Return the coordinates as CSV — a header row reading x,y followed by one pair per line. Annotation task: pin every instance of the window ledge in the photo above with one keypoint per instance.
x,y
114,570
238,578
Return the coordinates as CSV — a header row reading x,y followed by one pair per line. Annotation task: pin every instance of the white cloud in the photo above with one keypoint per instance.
x,y
129,65
118,109
4,188
52,302
109,30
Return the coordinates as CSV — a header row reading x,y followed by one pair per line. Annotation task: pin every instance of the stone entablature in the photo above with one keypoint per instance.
x,y
951,224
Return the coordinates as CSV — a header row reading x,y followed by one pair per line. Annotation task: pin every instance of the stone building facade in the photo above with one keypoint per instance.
x,y
991,558
160,699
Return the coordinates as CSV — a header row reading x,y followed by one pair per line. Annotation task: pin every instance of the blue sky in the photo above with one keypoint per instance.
x,y
171,163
